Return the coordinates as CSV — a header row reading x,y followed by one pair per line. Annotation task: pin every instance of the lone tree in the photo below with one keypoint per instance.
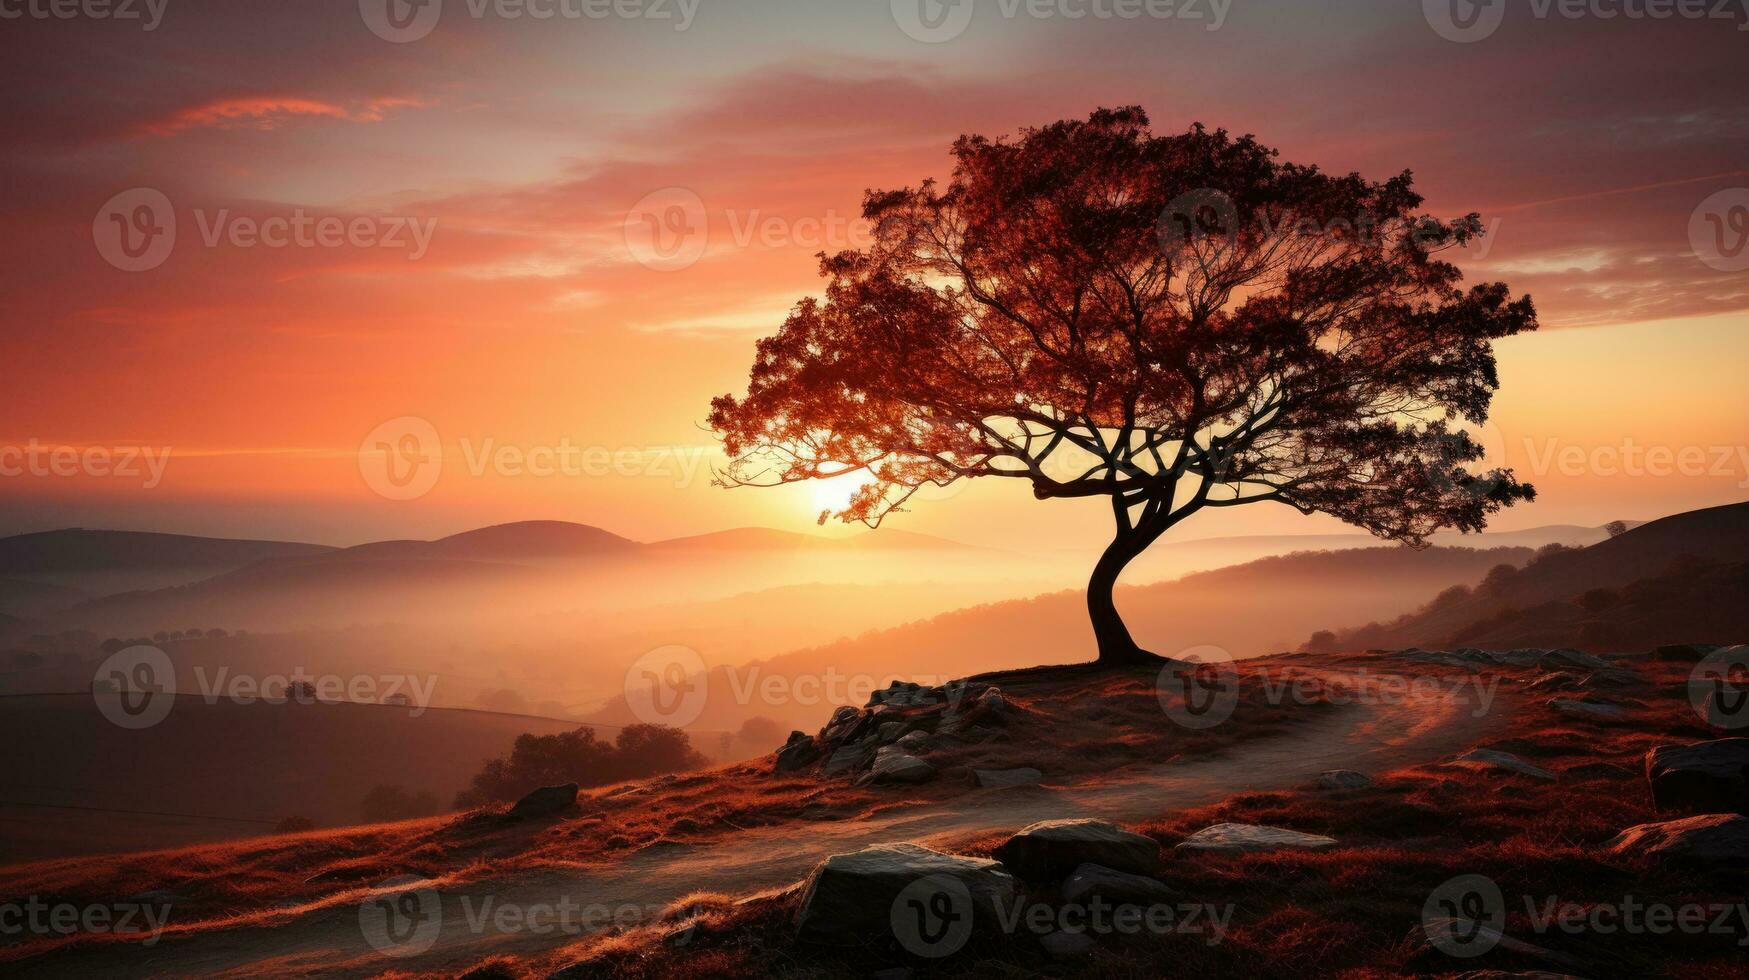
x,y
1172,322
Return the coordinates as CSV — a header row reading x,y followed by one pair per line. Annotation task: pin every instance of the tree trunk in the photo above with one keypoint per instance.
x,y
1116,646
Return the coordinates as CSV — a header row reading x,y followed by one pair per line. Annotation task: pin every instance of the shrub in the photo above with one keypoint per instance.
x,y
581,757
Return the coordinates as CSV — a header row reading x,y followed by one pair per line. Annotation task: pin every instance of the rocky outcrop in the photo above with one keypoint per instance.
x,y
1090,881
1050,850
1243,837
1715,838
849,899
911,717
1706,777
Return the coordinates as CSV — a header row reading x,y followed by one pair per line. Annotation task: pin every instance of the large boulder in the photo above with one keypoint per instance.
x,y
544,802
849,899
1706,777
1090,881
847,758
1050,850
1721,838
1242,837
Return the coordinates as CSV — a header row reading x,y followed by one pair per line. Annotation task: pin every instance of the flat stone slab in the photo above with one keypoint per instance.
x,y
1713,838
1495,759
1589,710
1050,850
1245,837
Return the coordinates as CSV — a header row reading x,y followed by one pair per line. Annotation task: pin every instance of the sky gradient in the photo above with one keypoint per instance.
x,y
476,254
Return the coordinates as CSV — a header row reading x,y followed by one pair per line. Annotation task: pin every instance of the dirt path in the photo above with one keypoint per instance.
x,y
329,938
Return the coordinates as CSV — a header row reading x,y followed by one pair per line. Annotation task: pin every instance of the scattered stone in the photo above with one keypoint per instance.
x,y
1441,934
798,753
1244,837
1067,945
1344,779
848,899
1007,778
1712,837
1495,759
914,742
1706,777
1051,849
1117,887
894,765
1588,710
544,802
1560,680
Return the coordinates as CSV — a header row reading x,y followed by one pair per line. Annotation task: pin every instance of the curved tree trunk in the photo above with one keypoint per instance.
x,y
1116,646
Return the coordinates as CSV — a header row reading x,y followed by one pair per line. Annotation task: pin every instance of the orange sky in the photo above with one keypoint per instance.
x,y
530,321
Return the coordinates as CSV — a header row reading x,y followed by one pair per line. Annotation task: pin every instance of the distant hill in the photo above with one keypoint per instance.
x,y
770,539
231,769
100,562
1247,610
520,541
1649,552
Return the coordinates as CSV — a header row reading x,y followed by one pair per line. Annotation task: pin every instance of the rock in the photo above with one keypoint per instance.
x,y
1116,887
1588,710
889,732
847,724
1495,759
1560,680
797,753
544,802
1611,677
1238,837
1689,653
1706,777
1051,849
992,700
914,742
1522,657
903,694
1344,779
1448,933
1067,945
848,758
1007,778
894,765
1721,838
1559,659
848,899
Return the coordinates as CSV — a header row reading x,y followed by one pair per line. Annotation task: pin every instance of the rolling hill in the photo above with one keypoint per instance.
x,y
1510,604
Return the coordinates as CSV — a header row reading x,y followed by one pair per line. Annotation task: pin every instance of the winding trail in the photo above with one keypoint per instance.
x,y
328,938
